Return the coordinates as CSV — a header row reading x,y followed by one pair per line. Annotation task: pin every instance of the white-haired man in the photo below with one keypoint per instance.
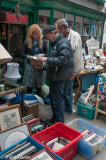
x,y
76,43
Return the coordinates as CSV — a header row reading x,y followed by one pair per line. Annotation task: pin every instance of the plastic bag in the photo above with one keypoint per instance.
x,y
83,101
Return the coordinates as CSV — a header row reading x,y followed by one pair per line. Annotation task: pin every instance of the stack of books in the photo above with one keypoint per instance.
x,y
57,143
90,136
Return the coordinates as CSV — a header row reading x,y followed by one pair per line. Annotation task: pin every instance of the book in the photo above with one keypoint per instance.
x,y
95,139
50,144
52,141
35,62
84,132
91,136
57,146
87,135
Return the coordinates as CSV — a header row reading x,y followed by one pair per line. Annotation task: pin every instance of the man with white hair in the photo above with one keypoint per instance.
x,y
76,43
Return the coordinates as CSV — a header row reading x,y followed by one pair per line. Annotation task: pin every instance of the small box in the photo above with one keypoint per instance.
x,y
86,111
31,110
85,148
60,130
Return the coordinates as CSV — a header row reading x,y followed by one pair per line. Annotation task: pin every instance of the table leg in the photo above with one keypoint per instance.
x,y
79,86
96,110
22,103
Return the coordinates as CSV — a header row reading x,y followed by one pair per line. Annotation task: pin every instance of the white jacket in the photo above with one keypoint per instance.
x,y
76,43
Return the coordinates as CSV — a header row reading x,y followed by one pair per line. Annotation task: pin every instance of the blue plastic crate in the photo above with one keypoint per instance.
x,y
37,144
29,139
85,148
1,157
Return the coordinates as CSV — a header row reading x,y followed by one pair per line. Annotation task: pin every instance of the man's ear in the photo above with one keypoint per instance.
x,y
63,28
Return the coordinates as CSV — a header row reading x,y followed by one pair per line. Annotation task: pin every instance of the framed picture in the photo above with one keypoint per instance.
x,y
13,135
4,105
10,116
97,52
43,154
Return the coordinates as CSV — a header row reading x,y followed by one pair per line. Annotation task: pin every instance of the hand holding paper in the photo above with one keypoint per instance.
x,y
39,62
35,61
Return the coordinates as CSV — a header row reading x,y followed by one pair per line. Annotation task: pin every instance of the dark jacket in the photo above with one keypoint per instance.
x,y
30,51
60,62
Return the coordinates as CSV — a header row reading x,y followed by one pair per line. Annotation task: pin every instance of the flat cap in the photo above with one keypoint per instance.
x,y
49,29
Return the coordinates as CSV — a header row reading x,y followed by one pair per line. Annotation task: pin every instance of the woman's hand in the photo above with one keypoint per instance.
x,y
41,59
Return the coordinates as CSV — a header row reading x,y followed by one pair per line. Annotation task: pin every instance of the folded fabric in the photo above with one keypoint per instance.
x,y
27,97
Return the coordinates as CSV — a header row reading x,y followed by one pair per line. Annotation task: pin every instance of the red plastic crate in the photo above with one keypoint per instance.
x,y
59,129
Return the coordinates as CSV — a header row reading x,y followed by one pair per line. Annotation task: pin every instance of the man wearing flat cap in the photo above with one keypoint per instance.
x,y
59,66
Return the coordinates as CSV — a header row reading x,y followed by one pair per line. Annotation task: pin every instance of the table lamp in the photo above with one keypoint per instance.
x,y
12,72
4,55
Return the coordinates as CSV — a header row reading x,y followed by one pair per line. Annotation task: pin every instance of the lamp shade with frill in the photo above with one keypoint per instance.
x,y
12,72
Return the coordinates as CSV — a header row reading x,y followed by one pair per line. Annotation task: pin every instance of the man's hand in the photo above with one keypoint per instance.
x,y
72,77
41,59
39,62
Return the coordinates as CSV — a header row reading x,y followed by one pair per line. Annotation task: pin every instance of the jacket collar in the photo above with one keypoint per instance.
x,y
56,39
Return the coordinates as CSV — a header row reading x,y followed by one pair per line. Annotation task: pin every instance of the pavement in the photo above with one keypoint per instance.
x,y
46,113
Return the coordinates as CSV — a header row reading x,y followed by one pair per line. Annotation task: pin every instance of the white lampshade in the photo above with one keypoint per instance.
x,y
4,55
12,71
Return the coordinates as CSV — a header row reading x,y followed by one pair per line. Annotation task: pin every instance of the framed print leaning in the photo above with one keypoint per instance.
x,y
13,135
10,116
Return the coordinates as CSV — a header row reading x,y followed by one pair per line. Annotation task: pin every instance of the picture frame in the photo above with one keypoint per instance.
x,y
43,154
4,105
13,135
97,53
10,117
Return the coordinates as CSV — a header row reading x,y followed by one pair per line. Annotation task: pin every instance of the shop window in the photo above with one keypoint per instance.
x,y
3,34
70,20
78,24
93,28
86,33
84,45
100,29
15,42
44,18
58,15
86,27
2,17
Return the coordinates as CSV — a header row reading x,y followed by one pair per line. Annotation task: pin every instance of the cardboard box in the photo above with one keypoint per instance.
x,y
31,110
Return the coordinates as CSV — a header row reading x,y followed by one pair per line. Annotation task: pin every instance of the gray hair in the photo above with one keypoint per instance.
x,y
62,23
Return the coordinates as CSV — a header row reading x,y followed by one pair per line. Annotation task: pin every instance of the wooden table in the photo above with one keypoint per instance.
x,y
10,90
79,75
